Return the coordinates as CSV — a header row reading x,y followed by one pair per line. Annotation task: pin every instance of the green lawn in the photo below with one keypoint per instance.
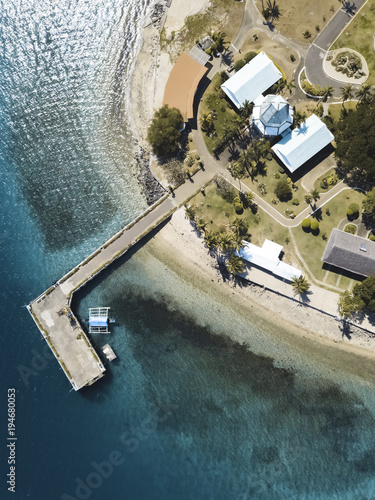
x,y
334,110
312,247
220,108
359,36
270,177
219,214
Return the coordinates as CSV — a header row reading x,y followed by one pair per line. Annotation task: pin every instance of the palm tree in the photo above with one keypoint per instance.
x,y
237,242
207,122
315,195
364,94
250,198
235,264
237,169
327,92
346,93
246,109
290,86
210,240
239,226
299,118
300,285
279,85
201,225
190,213
226,242
219,39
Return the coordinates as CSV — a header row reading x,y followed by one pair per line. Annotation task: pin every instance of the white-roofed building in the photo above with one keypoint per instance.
x,y
302,143
267,257
250,81
272,114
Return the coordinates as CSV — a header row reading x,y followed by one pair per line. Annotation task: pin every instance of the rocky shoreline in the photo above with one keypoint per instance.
x,y
151,187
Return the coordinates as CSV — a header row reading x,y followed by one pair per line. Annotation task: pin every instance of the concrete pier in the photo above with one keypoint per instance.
x,y
51,310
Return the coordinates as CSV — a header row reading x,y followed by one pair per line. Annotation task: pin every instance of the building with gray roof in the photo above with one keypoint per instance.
x,y
350,252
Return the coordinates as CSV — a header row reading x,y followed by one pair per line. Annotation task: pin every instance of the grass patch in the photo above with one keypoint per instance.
x,y
312,247
359,36
220,108
219,214
298,16
269,178
334,110
220,15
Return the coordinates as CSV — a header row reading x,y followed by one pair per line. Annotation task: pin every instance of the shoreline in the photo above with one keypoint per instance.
x,y
193,256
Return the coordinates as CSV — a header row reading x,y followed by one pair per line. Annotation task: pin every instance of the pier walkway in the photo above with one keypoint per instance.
x,y
51,310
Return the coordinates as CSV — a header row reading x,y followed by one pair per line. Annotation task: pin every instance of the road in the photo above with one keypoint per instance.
x,y
315,55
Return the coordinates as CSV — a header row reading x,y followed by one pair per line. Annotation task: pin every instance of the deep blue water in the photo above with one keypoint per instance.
x,y
183,413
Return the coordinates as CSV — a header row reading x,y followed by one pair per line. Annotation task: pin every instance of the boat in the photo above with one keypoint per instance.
x,y
109,352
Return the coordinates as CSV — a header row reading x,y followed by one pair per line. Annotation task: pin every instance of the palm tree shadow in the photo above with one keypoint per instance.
x,y
304,299
346,329
222,268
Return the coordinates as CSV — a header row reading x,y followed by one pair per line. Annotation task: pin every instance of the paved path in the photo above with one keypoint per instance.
x,y
315,55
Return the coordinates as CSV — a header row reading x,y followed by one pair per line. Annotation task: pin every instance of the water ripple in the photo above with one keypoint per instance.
x,y
64,75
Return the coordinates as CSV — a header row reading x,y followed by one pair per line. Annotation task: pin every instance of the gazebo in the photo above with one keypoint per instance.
x,y
272,114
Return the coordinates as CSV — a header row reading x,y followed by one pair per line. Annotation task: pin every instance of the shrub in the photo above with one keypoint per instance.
x,y
306,224
248,56
283,190
281,170
174,171
295,201
239,64
371,236
354,208
350,228
238,207
189,161
324,184
277,175
292,58
314,227
225,190
349,213
197,157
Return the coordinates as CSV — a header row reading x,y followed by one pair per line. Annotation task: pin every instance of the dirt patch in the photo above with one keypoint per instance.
x,y
298,16
278,52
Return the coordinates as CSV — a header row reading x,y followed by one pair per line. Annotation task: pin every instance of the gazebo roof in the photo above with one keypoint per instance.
x,y
272,114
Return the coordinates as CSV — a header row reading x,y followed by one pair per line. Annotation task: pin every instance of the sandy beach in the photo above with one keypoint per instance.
x,y
179,247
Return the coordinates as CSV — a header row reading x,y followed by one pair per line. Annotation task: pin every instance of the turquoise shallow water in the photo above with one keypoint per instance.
x,y
183,413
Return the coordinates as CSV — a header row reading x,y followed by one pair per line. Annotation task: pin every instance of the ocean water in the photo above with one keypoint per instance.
x,y
184,413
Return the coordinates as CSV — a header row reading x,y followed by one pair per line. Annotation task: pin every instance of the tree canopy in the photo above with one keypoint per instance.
x,y
355,138
283,190
163,133
362,298
369,207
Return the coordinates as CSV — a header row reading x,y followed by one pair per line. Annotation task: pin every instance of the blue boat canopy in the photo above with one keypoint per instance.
x,y
98,320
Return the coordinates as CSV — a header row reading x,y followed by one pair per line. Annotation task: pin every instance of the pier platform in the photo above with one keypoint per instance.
x,y
51,310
